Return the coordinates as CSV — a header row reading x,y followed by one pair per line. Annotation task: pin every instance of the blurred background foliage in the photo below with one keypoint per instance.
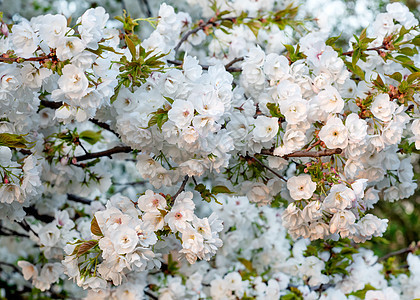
x,y
345,17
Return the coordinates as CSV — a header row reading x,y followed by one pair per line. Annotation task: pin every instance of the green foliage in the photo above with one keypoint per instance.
x,y
339,260
207,195
159,118
134,72
90,136
13,140
362,293
274,110
295,294
293,54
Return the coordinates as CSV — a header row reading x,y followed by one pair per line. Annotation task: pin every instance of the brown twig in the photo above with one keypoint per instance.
x,y
410,249
326,152
104,126
5,58
201,26
79,199
377,49
109,152
187,35
10,232
313,145
26,227
269,169
151,296
229,65
182,187
34,213
51,104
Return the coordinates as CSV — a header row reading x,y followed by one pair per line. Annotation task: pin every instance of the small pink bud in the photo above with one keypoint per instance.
x,y
6,181
305,170
4,29
74,160
64,160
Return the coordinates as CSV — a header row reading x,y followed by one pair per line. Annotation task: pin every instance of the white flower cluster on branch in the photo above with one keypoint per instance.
x,y
254,147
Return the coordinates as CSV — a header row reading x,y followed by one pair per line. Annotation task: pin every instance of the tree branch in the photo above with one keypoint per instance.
x,y
269,169
51,104
5,58
187,35
229,65
10,232
104,126
34,213
151,296
326,152
148,11
182,187
377,49
109,152
26,226
202,25
410,249
79,199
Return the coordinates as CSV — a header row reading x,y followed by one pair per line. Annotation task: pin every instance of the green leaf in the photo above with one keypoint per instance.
x,y
359,72
412,77
254,26
362,293
85,247
152,121
161,119
416,41
403,59
246,263
169,99
131,47
332,40
200,188
110,49
355,57
396,76
90,136
363,34
94,227
408,51
12,140
218,189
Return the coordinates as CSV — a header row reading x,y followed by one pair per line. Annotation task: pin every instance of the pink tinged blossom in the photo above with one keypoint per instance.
x,y
28,270
301,187
178,217
334,134
341,221
124,239
151,202
181,113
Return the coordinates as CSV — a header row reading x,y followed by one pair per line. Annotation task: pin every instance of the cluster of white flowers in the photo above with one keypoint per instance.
x,y
191,136
86,83
20,183
334,214
257,265
223,106
127,238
